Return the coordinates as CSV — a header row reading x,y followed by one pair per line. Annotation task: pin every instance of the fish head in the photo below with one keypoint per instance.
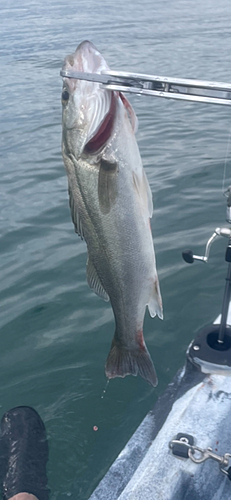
x,y
88,109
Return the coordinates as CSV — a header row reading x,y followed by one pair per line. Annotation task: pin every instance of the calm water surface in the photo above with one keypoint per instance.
x,y
55,333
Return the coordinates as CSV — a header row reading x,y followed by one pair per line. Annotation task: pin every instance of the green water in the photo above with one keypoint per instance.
x,y
55,333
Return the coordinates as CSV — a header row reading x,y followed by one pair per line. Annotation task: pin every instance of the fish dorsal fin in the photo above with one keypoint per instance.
x,y
142,187
94,281
75,215
131,112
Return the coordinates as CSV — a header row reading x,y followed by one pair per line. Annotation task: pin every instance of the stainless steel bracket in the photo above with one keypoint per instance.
x,y
159,86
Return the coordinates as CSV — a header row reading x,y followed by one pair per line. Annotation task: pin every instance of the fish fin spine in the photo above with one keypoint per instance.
x,y
122,361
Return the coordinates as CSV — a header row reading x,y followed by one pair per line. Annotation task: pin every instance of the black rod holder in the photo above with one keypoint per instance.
x,y
226,297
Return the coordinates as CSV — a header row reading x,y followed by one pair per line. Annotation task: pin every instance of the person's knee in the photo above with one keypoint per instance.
x,y
23,496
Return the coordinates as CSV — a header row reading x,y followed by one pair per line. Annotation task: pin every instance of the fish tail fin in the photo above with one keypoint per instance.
x,y
122,361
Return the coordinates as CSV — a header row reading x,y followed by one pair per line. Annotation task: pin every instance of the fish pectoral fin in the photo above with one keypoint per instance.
x,y
75,215
155,303
107,185
94,281
143,190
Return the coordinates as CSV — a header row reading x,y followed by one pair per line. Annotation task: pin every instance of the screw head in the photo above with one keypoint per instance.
x,y
183,439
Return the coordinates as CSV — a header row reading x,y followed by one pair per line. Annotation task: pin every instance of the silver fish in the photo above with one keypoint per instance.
x,y
111,206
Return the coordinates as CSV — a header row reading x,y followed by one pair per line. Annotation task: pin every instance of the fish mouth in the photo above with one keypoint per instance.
x,y
86,58
95,106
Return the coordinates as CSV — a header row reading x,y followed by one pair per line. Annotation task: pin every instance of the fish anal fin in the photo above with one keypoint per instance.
x,y
94,281
107,185
155,302
122,361
75,214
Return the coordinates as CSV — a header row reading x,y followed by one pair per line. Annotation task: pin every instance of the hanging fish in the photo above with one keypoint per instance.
x,y
111,207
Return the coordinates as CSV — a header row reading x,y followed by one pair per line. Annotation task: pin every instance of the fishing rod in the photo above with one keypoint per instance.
x,y
158,86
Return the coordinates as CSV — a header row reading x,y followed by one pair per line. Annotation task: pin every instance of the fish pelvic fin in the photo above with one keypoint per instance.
x,y
155,302
122,361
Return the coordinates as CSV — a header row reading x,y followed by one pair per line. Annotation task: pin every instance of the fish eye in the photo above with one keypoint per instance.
x,y
65,95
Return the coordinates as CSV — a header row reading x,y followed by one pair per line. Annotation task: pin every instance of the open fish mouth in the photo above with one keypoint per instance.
x,y
95,107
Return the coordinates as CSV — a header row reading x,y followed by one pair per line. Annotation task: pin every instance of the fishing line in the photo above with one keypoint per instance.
x,y
225,164
105,388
